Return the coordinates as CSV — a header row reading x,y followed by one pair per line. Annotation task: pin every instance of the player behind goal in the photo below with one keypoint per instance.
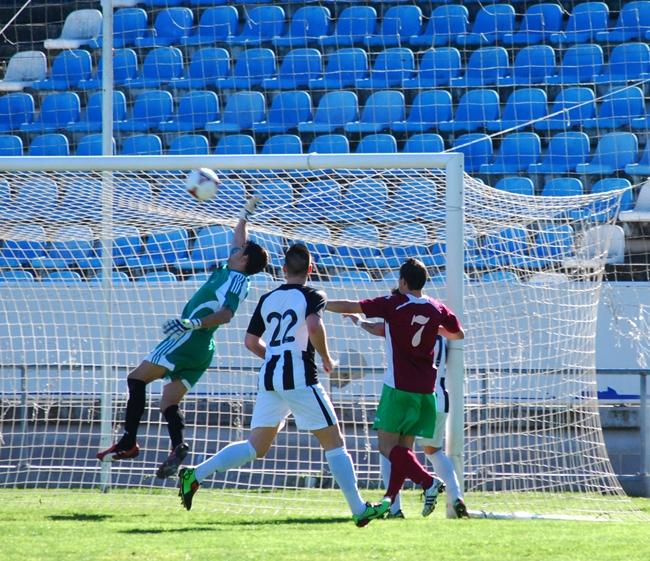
x,y
186,352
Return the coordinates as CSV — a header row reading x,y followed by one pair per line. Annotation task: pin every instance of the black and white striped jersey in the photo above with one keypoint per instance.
x,y
280,315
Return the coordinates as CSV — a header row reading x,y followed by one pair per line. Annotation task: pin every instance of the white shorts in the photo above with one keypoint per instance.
x,y
438,433
311,407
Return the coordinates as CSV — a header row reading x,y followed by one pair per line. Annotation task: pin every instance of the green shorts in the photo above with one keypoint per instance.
x,y
408,413
186,358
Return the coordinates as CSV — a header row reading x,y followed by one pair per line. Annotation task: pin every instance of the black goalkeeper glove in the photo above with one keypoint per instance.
x,y
177,327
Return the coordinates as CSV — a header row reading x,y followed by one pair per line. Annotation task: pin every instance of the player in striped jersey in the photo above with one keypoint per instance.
x,y
407,407
289,318
187,350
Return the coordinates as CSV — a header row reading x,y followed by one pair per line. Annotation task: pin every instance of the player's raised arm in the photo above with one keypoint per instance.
x,y
241,233
377,328
343,306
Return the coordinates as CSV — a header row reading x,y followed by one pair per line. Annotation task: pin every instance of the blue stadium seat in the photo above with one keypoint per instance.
x,y
382,108
161,65
633,23
275,196
117,277
11,145
516,185
516,152
162,249
486,66
391,67
195,109
125,69
142,145
538,22
319,200
158,276
424,142
606,210
501,248
91,145
490,24
318,239
286,111
360,249
297,68
585,21
617,109
207,65
68,69
150,108
523,105
475,109
282,144
614,151
23,69
35,198
49,144
533,65
397,25
129,24
627,62
91,118
82,195
580,64
16,275
444,25
499,276
189,144
308,24
407,239
263,23
71,244
16,110
642,167
344,68
414,197
570,107
170,27
329,144
477,149
235,144
58,111
353,25
563,187
217,23
335,109
243,108
565,151
80,28
437,68
251,68
22,243
127,242
364,199
130,196
377,144
429,108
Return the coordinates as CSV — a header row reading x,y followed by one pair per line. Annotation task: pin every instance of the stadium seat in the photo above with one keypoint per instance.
x,y
319,200
550,246
142,145
424,142
538,22
129,24
437,68
352,26
161,65
352,276
563,187
391,67
150,108
524,105
16,275
22,243
642,167
251,68
565,151
641,210
318,239
286,111
580,63
334,111
444,25
617,109
606,210
170,27
308,24
377,144
407,239
297,68
243,108
633,23
570,107
125,69
58,110
329,144
91,118
162,249
475,109
71,243
16,110
501,248
282,144
92,145
235,144
81,195
276,196
50,144
81,27
11,145
516,185
614,151
429,108
344,68
68,69
477,149
490,24
499,276
600,244
262,23
194,110
157,277
486,66
397,25
207,65
627,62
533,65
381,109
23,69
360,248
516,152
189,144
127,242
130,198
364,199
35,197
414,197
584,22
217,23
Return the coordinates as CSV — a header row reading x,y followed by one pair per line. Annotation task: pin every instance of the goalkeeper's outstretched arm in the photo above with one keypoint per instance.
x,y
241,232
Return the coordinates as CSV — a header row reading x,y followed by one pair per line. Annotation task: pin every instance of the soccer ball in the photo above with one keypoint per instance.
x,y
202,184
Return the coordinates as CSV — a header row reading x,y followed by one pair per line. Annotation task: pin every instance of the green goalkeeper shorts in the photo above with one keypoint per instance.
x,y
408,413
186,358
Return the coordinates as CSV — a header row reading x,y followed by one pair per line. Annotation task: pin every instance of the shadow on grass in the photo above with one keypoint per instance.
x,y
79,517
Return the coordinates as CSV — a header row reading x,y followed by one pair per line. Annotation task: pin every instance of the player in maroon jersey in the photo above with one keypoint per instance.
x,y
407,407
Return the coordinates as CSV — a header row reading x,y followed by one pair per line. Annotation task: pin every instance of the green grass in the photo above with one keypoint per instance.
x,y
38,525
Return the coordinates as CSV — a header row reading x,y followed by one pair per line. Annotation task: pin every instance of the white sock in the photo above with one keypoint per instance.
x,y
384,464
342,469
232,456
444,467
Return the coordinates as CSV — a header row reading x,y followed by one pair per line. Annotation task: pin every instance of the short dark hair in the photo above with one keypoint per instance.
x,y
414,273
297,259
258,258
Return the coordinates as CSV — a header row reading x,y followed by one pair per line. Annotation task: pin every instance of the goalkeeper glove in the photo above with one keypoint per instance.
x,y
177,327
249,208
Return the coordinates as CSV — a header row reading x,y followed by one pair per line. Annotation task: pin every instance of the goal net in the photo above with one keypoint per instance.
x,y
96,255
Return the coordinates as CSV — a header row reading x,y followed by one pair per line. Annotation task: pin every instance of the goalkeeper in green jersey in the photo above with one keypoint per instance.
x,y
186,352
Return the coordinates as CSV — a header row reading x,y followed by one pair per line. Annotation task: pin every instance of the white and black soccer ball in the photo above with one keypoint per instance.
x,y
202,184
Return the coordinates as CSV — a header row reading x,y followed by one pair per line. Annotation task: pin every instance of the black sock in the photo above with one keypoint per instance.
x,y
175,424
134,411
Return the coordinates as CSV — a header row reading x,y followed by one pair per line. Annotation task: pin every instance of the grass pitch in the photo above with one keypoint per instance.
x,y
40,525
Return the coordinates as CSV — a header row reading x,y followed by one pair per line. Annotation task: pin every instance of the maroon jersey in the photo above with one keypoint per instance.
x,y
411,328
